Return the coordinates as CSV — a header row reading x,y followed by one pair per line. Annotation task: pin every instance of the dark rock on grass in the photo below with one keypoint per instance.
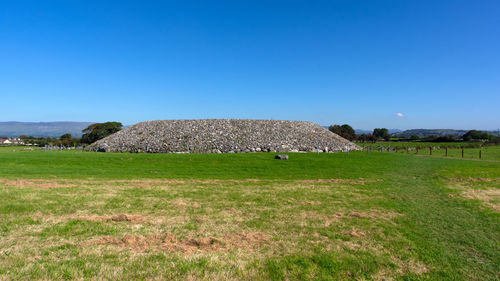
x,y
281,157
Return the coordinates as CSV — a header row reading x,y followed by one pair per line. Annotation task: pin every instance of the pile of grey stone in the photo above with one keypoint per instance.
x,y
223,136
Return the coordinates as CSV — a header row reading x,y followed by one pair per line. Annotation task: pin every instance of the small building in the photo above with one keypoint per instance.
x,y
11,141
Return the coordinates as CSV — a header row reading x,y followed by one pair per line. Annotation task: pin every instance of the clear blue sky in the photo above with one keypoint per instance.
x,y
333,62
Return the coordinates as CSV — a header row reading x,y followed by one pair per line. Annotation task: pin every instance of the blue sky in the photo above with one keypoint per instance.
x,y
331,62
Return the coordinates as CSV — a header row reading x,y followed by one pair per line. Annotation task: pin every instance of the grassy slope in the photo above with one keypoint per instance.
x,y
445,234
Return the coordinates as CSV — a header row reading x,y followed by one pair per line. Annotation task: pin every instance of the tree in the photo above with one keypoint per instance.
x,y
98,131
382,133
475,135
66,137
344,131
366,138
65,140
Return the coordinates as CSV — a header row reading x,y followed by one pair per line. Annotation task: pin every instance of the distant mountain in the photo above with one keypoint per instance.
x,y
394,131
42,129
362,131
430,133
366,132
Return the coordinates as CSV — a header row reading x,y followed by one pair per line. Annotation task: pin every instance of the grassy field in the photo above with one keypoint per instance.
x,y
451,150
382,216
404,144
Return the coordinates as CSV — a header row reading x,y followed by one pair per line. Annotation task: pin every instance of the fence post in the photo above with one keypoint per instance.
x,y
417,150
446,152
430,150
480,153
462,152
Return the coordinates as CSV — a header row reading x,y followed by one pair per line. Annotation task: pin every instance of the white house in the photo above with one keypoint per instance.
x,y
11,141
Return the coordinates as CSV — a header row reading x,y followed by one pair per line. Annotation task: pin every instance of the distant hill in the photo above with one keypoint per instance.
x,y
367,132
362,131
42,129
430,133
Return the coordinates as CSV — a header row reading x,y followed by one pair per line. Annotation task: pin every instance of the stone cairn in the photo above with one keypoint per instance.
x,y
223,136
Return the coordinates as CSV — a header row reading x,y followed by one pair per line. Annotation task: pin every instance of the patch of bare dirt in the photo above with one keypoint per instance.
x,y
311,203
116,218
360,215
188,245
480,179
182,204
357,233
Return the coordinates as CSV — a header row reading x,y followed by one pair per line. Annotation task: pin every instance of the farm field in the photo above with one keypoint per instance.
x,y
450,150
414,144
358,216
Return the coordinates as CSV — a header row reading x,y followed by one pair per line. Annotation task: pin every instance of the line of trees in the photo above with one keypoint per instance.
x,y
91,134
347,132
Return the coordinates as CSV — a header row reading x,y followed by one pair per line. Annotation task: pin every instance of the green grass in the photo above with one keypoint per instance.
x,y
404,144
409,143
376,216
491,153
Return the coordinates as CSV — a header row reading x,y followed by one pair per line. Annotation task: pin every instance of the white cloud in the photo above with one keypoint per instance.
x,y
400,114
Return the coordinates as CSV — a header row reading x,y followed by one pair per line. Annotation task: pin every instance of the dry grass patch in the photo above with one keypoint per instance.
x,y
491,197
37,183
146,183
486,190
471,180
357,233
328,181
187,245
133,218
225,221
115,218
376,214
183,204
362,242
